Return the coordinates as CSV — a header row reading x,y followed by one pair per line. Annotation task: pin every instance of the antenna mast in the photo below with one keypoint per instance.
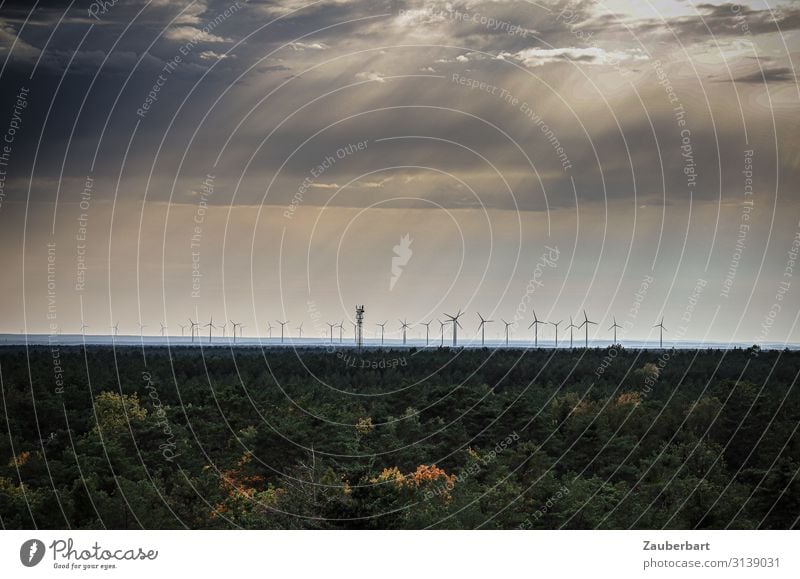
x,y
360,327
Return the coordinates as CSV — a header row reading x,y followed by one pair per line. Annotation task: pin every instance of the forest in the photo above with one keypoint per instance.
x,y
225,438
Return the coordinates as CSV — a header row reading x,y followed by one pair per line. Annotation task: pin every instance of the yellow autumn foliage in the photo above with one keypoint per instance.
x,y
364,426
629,399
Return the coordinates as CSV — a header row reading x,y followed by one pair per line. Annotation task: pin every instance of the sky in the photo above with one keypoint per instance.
x,y
256,161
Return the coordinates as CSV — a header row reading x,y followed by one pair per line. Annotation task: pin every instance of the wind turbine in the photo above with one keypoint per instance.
x,y
427,331
210,325
614,327
441,328
535,325
570,327
383,326
661,333
141,328
234,325
507,325
83,328
183,329
585,324
282,326
224,327
269,327
355,333
404,327
163,328
300,329
340,325
331,326
115,327
482,327
194,328
456,324
555,325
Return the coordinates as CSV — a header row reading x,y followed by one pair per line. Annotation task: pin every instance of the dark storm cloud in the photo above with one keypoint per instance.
x,y
45,12
81,89
710,20
572,107
720,21
778,74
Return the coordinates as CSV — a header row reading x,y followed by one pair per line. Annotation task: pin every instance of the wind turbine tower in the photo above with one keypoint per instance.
x,y
456,324
585,324
427,332
555,325
507,326
404,327
234,325
210,325
614,327
482,328
570,327
283,325
661,327
535,325
383,327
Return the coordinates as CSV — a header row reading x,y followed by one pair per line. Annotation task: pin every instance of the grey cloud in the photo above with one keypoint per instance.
x,y
619,176
711,20
776,74
722,20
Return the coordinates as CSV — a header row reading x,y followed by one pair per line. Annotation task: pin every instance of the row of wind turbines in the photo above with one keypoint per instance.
x,y
237,327
192,325
453,319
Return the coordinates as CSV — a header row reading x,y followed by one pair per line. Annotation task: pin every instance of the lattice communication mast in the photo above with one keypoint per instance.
x,y
360,327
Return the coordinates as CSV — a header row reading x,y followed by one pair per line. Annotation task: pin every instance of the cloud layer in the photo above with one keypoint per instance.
x,y
473,107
